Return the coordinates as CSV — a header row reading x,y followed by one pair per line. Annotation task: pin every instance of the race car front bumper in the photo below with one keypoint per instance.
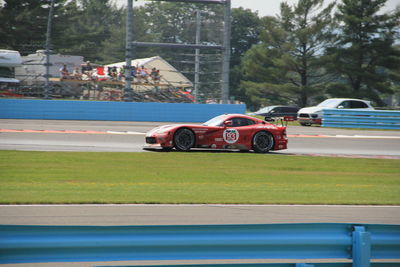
x,y
159,140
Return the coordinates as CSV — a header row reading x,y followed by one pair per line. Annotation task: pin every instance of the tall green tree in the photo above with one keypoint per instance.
x,y
286,66
79,27
364,55
23,25
246,28
85,30
113,48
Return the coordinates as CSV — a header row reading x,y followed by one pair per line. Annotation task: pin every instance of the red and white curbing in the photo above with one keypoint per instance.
x,y
68,132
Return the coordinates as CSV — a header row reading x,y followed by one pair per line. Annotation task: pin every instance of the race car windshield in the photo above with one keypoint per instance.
x,y
217,121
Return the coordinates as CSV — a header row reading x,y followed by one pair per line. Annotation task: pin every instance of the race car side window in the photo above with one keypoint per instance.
x,y
250,122
240,122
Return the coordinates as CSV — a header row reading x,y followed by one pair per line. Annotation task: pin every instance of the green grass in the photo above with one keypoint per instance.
x,y
197,177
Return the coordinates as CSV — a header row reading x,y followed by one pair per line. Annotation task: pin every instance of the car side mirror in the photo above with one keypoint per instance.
x,y
228,123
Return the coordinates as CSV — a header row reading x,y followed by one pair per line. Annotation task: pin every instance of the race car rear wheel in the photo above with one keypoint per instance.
x,y
263,142
184,139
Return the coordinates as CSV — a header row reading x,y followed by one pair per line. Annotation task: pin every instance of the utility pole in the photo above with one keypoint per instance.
x,y
48,51
226,53
128,94
197,57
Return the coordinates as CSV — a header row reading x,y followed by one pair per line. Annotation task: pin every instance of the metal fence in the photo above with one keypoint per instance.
x,y
361,243
373,119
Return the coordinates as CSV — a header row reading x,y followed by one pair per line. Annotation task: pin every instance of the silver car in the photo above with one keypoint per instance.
x,y
313,115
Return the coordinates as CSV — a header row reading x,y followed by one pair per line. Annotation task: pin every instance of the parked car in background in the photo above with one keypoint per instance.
x,y
313,115
271,112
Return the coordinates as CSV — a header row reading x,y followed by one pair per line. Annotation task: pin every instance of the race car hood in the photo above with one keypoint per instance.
x,y
166,128
161,129
310,110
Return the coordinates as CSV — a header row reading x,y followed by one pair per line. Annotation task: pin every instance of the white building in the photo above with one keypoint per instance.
x,y
9,60
169,75
33,69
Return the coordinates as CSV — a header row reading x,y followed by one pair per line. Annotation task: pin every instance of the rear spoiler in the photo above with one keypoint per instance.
x,y
283,121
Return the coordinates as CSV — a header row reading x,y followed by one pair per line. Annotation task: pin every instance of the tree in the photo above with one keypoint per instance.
x,y
113,48
176,23
246,28
291,47
23,25
364,55
87,28
79,26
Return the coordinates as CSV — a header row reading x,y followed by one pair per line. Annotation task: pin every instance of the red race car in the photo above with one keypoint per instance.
x,y
229,131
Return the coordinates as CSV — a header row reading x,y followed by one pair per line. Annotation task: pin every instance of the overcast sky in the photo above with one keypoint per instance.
x,y
270,7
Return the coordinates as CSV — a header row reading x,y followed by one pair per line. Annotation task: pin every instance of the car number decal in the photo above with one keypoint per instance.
x,y
231,136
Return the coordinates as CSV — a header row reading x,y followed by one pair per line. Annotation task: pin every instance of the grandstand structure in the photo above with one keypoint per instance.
x,y
100,84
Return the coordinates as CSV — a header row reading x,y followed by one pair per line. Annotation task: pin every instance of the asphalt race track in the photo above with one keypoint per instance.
x,y
195,214
51,135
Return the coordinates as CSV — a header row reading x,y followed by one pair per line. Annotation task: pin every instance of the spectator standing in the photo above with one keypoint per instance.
x,y
87,69
76,74
114,73
64,72
155,75
121,73
143,74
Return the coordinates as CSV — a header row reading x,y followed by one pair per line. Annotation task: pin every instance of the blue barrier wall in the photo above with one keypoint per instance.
x,y
112,111
371,119
361,243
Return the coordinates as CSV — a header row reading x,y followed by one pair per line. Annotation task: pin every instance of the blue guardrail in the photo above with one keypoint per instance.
x,y
373,119
112,111
361,243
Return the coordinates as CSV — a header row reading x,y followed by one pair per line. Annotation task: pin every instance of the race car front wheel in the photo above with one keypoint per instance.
x,y
184,139
263,142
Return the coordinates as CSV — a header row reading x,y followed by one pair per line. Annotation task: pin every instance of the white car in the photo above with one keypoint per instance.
x,y
313,115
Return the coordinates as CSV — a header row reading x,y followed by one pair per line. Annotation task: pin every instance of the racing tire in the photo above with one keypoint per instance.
x,y
184,139
263,142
